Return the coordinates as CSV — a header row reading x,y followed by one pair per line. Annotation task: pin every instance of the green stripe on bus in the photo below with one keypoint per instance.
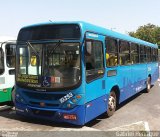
x,y
5,95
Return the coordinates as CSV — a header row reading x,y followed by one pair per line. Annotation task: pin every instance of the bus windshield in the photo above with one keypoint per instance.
x,y
49,65
1,61
10,55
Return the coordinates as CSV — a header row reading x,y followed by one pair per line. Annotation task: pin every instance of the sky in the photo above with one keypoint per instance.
x,y
119,15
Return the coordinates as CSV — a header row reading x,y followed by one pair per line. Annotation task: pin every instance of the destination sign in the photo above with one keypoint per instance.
x,y
27,78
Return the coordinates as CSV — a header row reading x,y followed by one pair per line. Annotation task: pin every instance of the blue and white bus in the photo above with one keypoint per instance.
x,y
75,71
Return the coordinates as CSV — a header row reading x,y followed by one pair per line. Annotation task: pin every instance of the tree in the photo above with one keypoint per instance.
x,y
149,32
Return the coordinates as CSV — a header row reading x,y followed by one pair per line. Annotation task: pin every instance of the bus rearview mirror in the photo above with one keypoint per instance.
x,y
88,47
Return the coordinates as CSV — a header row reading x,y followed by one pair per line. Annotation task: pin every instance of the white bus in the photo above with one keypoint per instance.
x,y
7,69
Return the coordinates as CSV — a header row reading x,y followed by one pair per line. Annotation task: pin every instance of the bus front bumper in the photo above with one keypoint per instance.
x,y
74,116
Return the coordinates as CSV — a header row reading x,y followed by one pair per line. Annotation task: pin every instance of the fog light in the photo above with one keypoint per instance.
x,y
26,110
17,95
69,116
74,100
68,105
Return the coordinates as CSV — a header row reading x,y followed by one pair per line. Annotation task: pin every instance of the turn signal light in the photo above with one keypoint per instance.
x,y
78,96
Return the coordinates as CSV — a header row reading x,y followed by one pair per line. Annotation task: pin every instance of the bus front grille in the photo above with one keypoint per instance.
x,y
46,104
43,112
50,100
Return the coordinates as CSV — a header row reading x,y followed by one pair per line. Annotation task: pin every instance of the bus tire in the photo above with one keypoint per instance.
x,y
148,84
111,104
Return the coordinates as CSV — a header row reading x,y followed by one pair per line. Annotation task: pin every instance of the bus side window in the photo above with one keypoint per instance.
x,y
124,48
1,61
94,60
112,52
142,54
134,53
154,55
148,54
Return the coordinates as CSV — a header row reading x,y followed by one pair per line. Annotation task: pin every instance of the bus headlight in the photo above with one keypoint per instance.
x,y
72,102
68,105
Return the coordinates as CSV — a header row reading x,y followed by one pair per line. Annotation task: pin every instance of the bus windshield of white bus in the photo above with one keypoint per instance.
x,y
1,61
10,55
48,64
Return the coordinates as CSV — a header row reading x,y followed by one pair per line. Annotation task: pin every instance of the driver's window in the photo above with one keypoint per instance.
x,y
94,59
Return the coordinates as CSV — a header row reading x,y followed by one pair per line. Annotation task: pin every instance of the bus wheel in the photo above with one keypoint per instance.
x,y
111,104
148,84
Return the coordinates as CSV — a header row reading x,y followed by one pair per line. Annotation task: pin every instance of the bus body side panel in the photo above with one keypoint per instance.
x,y
139,76
132,79
124,80
96,107
100,104
111,81
5,94
152,69
95,90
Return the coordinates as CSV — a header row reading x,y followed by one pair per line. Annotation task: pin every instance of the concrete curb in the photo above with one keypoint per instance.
x,y
84,128
138,126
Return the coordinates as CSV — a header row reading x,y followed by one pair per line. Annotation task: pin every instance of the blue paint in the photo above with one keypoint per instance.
x,y
96,108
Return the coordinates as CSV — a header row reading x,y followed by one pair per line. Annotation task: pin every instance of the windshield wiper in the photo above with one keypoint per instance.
x,y
49,53
55,47
37,54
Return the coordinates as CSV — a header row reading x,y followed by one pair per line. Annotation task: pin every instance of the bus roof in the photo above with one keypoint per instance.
x,y
100,30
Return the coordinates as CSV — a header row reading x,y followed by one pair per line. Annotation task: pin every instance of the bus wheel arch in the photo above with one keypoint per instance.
x,y
113,100
11,103
148,83
12,97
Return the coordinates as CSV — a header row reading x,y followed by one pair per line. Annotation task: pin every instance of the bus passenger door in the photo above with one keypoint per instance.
x,y
3,93
95,79
10,51
6,82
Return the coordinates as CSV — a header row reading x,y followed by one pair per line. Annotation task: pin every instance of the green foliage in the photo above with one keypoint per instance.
x,y
149,32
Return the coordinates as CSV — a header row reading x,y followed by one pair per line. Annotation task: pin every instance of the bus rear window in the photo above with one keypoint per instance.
x,y
45,32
